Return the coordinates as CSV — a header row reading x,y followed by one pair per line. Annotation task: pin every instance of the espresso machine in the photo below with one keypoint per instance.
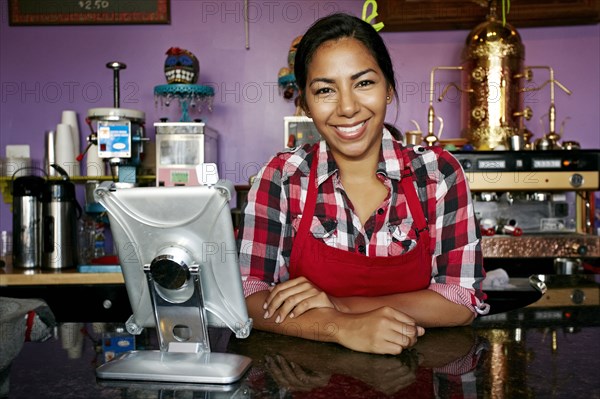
x,y
536,207
534,199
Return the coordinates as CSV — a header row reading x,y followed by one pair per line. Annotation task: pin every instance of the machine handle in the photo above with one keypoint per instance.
x,y
116,66
48,233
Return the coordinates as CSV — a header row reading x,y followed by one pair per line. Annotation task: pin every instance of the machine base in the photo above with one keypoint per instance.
x,y
203,368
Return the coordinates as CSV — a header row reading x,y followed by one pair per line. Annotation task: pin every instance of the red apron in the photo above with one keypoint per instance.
x,y
341,273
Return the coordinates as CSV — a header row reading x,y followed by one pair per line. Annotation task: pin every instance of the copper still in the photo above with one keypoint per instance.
x,y
536,196
492,80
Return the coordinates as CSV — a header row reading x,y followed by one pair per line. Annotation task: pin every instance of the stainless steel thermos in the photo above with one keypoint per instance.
x,y
59,225
27,221
45,214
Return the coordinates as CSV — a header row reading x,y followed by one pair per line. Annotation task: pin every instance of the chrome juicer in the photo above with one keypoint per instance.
x,y
118,134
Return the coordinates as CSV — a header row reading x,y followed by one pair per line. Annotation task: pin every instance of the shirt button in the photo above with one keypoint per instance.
x,y
380,211
361,249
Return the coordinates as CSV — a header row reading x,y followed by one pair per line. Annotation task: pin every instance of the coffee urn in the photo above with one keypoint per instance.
x,y
61,211
27,221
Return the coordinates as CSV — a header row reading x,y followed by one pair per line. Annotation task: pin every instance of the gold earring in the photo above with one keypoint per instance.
x,y
388,98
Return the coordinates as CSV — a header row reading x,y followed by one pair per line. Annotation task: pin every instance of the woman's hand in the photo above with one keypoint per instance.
x,y
384,330
292,376
294,297
387,374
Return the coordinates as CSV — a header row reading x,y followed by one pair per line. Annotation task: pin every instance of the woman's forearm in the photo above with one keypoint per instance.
x,y
321,324
428,308
384,330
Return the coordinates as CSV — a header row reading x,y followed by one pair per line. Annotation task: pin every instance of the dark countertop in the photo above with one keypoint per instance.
x,y
549,349
532,352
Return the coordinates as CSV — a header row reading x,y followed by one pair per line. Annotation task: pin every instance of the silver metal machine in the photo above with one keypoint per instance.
x,y
118,134
180,148
179,258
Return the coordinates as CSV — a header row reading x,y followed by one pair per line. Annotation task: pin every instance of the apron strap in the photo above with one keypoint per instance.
x,y
410,191
309,204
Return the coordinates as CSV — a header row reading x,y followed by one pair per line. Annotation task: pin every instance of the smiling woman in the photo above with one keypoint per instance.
x,y
346,95
357,239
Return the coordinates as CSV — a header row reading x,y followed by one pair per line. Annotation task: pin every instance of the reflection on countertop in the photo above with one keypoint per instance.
x,y
524,353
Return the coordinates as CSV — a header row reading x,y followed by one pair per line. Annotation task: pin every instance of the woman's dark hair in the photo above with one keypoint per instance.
x,y
397,134
335,27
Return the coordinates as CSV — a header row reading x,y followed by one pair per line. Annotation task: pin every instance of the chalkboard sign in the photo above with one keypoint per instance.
x,y
84,12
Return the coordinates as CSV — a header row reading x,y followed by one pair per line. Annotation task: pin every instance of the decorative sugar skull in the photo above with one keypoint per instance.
x,y
181,66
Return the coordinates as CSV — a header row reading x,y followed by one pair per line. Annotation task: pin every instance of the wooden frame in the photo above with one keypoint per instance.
x,y
88,12
423,15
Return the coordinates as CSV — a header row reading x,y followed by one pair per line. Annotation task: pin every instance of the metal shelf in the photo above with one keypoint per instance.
x,y
5,182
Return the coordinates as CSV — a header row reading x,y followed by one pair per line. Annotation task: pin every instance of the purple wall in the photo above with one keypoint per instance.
x,y
44,70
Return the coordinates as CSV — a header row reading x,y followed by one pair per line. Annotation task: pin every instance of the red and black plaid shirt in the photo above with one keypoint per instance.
x,y
276,201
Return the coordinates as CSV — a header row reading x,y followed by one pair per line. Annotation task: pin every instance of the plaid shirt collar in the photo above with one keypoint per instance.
x,y
390,160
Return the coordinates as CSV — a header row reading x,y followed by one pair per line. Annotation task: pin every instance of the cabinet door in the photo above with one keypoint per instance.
x,y
423,15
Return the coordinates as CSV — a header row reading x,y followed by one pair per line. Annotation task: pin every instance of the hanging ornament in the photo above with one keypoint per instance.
x,y
378,26
285,77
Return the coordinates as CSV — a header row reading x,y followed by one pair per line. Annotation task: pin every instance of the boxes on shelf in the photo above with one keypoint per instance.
x,y
299,130
115,343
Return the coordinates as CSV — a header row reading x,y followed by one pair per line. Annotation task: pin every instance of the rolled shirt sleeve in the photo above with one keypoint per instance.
x,y
457,264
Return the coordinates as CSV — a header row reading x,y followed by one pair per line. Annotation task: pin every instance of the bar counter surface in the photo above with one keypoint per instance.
x,y
13,276
531,352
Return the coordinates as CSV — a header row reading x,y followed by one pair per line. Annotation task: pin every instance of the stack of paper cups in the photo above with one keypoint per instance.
x,y
69,117
64,152
94,164
50,153
71,337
